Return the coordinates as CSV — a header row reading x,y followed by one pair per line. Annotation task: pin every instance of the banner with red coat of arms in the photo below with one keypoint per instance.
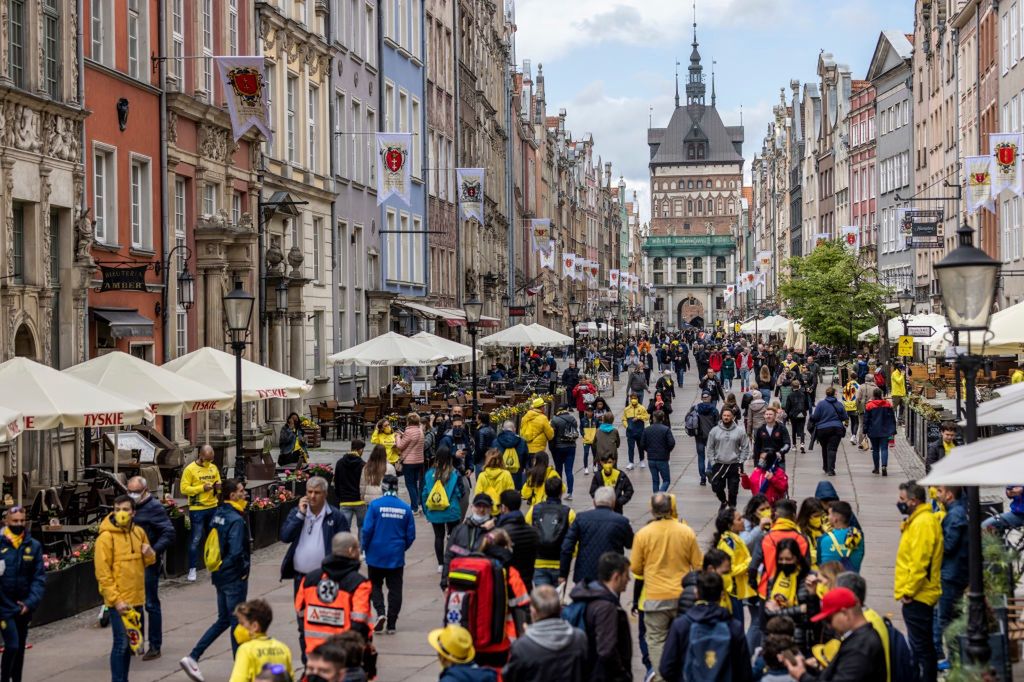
x,y
851,237
1006,166
245,87
394,174
471,193
569,265
978,177
540,236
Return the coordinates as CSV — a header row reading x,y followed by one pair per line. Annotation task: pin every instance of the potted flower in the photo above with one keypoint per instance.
x,y
264,522
310,431
286,501
70,584
295,480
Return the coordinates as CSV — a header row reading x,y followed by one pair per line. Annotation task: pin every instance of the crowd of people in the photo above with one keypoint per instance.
x,y
531,589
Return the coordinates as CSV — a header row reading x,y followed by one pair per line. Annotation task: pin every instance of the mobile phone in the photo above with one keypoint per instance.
x,y
788,655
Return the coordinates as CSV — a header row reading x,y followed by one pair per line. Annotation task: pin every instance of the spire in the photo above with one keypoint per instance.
x,y
677,84
695,82
713,62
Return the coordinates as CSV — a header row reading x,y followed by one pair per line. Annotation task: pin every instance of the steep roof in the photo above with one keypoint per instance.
x,y
691,122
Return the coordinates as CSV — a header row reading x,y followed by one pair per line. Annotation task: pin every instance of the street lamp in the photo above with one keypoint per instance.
x,y
474,309
237,315
967,279
574,316
906,301
281,294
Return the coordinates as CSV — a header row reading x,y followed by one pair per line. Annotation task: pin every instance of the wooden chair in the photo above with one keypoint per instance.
x,y
325,419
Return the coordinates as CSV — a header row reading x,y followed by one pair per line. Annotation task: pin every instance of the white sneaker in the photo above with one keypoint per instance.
x,y
629,466
191,668
440,569
586,471
191,578
568,497
853,441
643,465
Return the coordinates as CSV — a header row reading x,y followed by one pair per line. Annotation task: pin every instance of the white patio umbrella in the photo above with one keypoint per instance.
x,y
10,424
1007,335
989,461
455,351
389,350
216,369
49,399
167,393
790,336
555,338
1008,408
523,335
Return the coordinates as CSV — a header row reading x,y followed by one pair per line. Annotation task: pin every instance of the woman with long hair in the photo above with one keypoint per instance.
x,y
441,501
813,523
494,478
377,466
728,526
533,489
409,445
291,442
765,383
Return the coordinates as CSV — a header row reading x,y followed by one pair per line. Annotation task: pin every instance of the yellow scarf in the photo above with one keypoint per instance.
x,y
610,479
784,589
15,540
239,505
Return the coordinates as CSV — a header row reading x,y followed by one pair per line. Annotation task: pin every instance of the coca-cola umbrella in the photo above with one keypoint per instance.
x,y
49,399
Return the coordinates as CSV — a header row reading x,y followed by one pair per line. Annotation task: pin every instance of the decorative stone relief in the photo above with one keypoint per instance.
x,y
44,207
274,256
295,259
214,142
8,205
63,137
172,127
23,126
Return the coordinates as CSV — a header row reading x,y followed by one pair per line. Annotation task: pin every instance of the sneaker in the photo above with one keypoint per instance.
x,y
569,496
151,655
703,482
853,440
874,471
191,668
802,448
379,625
191,575
417,513
390,630
649,676
586,471
440,569
944,665
629,467
643,465
885,471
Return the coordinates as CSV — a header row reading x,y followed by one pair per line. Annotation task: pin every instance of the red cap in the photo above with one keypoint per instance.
x,y
835,600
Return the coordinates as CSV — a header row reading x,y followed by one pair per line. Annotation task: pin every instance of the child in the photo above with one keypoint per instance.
x,y
255,648
613,477
588,426
768,478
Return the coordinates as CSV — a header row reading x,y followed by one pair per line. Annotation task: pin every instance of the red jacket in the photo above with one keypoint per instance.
x,y
715,361
581,390
745,361
774,488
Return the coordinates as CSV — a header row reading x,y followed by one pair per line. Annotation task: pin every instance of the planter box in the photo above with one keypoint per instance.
x,y
176,556
69,591
264,525
312,436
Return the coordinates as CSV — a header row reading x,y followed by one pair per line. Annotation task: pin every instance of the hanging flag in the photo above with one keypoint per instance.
x,y
729,291
851,237
578,269
820,238
764,261
533,291
595,268
394,175
978,174
540,234
749,279
634,283
547,260
624,280
613,279
1006,171
471,193
569,265
245,87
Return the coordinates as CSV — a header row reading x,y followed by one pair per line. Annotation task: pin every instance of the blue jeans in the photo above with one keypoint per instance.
x,y
641,633
744,379
679,376
356,513
154,618
879,447
565,458
200,521
545,576
1004,521
413,474
120,652
945,612
586,455
519,478
754,635
659,470
228,597
15,634
631,442
701,461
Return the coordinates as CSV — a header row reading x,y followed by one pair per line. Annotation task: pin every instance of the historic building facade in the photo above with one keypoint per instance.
x,y
1011,118
860,126
696,176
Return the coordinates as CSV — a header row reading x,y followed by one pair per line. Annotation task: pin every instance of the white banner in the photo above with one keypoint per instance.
x,y
578,268
978,175
764,261
613,279
851,237
394,174
471,193
540,235
821,238
245,87
1006,166
729,291
748,278
569,265
547,260
595,269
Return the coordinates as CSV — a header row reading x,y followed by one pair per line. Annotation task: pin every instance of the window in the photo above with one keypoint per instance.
x,y
318,229
1004,32
236,207
360,145
313,141
180,332
658,267
271,71
1020,19
17,42
177,70
700,184
179,220
206,63
135,36
233,26
711,207
417,138
341,135
18,261
318,343
104,183
369,171
141,204
417,251
370,37
51,48
210,191
680,271
290,119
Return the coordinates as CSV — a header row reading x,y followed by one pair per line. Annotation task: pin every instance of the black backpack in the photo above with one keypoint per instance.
x,y
552,523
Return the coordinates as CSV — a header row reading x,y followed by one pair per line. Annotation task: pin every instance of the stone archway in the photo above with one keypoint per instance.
x,y
690,311
25,343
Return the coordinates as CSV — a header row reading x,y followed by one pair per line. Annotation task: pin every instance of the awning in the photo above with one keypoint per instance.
x,y
453,317
124,322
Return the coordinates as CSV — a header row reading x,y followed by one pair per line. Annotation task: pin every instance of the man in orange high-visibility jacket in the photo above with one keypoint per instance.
x,y
335,598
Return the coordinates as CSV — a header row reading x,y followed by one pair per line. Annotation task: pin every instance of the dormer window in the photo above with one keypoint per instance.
x,y
689,151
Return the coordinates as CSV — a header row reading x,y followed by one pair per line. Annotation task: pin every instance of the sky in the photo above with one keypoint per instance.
x,y
608,62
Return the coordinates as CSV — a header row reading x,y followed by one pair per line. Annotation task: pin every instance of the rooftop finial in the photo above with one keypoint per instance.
x,y
677,83
713,62
695,23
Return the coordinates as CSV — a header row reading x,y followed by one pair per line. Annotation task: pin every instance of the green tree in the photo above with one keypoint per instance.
x,y
835,297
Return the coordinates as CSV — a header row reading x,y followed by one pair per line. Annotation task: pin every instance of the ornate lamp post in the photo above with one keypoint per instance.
x,y
574,316
906,301
967,277
474,309
238,304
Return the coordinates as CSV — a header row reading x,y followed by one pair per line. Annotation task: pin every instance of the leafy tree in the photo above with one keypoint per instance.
x,y
835,297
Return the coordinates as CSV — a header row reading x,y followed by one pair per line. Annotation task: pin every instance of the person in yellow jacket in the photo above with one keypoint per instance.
x,y
728,525
635,418
255,648
121,555
898,382
541,471
384,434
918,572
200,483
535,428
494,478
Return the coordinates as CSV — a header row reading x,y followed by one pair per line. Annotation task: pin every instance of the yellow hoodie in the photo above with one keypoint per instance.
x,y
494,482
388,440
736,582
120,565
663,552
193,478
919,557
531,495
536,430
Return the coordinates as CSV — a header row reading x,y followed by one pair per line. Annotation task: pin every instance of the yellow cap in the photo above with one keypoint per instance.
x,y
453,642
537,402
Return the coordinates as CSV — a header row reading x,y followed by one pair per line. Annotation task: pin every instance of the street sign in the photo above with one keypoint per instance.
x,y
923,228
517,311
906,347
921,331
924,242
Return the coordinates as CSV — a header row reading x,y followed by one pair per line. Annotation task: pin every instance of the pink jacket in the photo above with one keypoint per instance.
x,y
410,445
774,488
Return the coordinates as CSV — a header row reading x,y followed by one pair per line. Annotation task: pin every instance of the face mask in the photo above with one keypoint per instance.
x,y
242,634
135,496
608,468
457,432
788,569
479,519
16,530
816,522
387,429
633,402
765,513
904,508
122,518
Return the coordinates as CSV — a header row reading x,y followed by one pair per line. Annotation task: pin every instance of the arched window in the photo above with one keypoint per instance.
x,y
709,183
689,184
700,185
700,151
689,207
718,184
680,263
721,204
659,263
719,262
677,207
680,184
732,206
711,207
700,207
664,209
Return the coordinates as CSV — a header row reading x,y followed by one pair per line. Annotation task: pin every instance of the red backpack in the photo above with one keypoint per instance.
x,y
477,599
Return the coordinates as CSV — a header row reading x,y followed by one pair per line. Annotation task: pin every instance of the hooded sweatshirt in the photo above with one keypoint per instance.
x,y
610,647
119,563
551,650
536,430
677,644
727,445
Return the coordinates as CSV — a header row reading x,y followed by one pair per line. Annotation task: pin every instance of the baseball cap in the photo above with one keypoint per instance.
x,y
482,499
705,394
834,601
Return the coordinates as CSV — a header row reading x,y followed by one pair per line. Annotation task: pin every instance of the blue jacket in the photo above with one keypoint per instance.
x,y
657,441
677,644
388,532
451,488
151,517
879,419
596,531
464,442
954,545
1017,504
827,550
235,545
468,672
829,413
24,578
291,529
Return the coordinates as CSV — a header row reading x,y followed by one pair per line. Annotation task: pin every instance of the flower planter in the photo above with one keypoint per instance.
x,y
312,436
283,511
69,591
264,524
176,556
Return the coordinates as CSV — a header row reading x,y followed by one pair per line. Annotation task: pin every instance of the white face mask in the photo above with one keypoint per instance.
x,y
135,496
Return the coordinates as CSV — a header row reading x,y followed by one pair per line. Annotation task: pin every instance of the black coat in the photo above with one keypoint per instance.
x,y
861,656
151,517
657,441
798,405
464,539
525,539
623,488
595,532
609,641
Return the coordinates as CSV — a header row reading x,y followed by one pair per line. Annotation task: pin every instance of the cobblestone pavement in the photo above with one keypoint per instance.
x,y
75,645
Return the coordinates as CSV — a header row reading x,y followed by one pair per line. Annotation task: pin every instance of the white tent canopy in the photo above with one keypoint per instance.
x,y
166,392
984,462
10,424
773,324
525,335
895,326
455,351
1008,408
389,350
1007,335
216,369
